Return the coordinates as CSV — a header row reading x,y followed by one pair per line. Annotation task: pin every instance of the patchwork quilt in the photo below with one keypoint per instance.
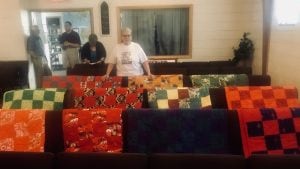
x,y
270,131
158,81
216,81
181,97
22,130
261,97
123,98
176,131
95,130
81,81
48,99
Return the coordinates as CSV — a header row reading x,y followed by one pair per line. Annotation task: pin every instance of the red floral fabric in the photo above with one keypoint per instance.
x,y
95,130
108,98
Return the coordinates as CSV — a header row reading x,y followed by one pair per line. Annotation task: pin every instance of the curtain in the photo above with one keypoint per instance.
x,y
159,31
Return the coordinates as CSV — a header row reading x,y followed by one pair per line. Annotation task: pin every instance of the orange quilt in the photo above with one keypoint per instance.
x,y
92,130
22,130
157,81
261,97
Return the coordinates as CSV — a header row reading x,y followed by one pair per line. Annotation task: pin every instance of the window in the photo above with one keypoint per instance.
x,y
287,11
163,32
105,18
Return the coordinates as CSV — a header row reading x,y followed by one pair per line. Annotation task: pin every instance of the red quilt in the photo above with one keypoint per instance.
x,y
98,130
108,98
81,82
270,131
261,97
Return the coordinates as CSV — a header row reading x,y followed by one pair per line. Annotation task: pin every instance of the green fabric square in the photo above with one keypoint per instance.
x,y
57,106
49,95
195,102
16,104
37,104
27,95
8,96
161,94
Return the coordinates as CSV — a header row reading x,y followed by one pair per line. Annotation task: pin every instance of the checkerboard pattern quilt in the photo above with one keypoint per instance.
x,y
94,130
270,131
176,131
157,81
216,81
22,130
81,81
261,97
123,98
48,99
183,97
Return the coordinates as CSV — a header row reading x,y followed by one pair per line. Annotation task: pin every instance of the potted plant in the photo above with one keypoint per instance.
x,y
243,55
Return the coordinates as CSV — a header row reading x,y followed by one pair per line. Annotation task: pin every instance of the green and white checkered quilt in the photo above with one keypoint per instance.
x,y
48,99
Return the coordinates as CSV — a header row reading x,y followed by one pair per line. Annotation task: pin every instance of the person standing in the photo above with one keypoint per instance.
x,y
35,48
93,51
70,42
128,56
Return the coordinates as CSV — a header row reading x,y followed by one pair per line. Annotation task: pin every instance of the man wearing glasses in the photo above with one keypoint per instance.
x,y
129,57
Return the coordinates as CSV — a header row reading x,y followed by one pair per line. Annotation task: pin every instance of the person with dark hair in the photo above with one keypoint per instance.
x,y
70,42
93,51
35,48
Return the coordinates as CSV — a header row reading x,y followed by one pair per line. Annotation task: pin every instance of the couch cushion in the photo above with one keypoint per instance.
x,y
34,160
270,131
48,99
274,162
196,161
101,161
157,81
98,130
22,130
181,97
107,98
176,131
261,97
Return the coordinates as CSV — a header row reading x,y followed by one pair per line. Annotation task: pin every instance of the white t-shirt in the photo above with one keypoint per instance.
x,y
128,59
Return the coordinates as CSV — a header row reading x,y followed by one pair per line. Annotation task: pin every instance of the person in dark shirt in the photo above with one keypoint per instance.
x,y
35,48
93,51
70,42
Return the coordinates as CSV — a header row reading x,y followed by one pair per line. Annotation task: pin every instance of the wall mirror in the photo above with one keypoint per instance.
x,y
164,32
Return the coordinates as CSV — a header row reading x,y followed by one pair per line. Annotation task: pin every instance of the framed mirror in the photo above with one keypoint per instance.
x,y
164,32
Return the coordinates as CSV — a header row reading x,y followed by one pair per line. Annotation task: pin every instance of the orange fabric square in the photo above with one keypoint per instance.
x,y
22,130
271,127
288,141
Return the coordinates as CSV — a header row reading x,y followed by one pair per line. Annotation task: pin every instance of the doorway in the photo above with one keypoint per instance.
x,y
51,24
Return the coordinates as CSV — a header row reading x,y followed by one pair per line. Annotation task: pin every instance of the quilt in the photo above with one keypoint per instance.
x,y
94,130
181,97
216,81
22,130
261,97
123,98
176,131
270,130
48,99
157,81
